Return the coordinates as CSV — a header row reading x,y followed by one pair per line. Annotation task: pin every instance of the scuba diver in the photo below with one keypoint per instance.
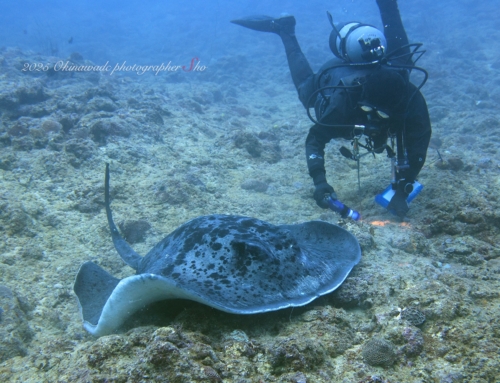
x,y
364,91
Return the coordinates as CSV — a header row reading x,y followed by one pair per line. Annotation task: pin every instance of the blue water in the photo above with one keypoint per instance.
x,y
148,32
151,32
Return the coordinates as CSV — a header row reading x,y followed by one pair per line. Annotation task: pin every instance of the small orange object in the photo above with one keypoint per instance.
x,y
385,223
379,223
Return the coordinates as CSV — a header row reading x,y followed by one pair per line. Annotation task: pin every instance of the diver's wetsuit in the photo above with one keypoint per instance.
x,y
340,106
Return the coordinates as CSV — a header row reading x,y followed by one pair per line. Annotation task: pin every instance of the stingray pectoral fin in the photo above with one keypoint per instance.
x,y
130,295
93,286
335,251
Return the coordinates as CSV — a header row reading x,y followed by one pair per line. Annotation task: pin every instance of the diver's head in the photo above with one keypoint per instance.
x,y
357,43
386,89
382,103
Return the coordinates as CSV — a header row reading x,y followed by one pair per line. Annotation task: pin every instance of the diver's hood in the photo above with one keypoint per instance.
x,y
357,42
386,88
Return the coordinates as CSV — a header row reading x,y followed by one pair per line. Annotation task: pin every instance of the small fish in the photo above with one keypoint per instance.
x,y
70,41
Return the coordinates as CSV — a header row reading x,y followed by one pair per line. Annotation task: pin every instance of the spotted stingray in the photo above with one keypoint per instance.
x,y
235,264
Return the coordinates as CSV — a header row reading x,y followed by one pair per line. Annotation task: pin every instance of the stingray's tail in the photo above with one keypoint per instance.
x,y
128,254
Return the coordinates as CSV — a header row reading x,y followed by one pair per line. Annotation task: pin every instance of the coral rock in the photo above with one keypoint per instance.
x,y
379,352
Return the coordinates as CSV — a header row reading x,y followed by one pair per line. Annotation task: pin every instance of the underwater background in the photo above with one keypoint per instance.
x,y
225,134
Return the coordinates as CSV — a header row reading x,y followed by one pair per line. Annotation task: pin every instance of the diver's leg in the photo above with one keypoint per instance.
x,y
297,62
394,30
285,28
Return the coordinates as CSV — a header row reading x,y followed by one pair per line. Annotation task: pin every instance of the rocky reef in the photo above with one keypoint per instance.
x,y
422,306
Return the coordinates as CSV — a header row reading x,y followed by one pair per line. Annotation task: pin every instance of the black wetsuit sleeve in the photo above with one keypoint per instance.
x,y
394,30
336,114
316,141
417,136
417,123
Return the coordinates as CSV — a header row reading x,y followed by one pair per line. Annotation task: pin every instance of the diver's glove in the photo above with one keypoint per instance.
x,y
323,191
398,202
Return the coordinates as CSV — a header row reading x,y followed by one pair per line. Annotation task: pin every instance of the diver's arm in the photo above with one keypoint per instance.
x,y
417,136
394,30
316,141
315,152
